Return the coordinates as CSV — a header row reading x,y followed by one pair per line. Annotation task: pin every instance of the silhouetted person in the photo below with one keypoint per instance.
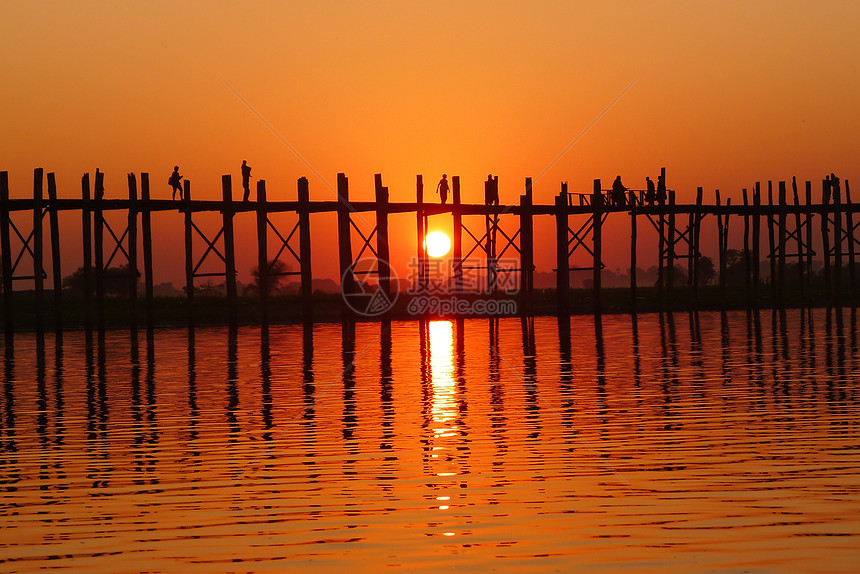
x,y
650,192
491,190
619,192
175,182
246,180
442,188
661,190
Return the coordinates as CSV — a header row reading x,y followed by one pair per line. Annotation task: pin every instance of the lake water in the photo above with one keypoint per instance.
x,y
717,442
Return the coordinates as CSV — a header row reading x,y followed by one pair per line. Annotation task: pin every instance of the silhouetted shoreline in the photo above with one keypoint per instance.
x,y
328,307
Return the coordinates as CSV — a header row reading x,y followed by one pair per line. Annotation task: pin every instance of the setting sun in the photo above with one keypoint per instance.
x,y
437,244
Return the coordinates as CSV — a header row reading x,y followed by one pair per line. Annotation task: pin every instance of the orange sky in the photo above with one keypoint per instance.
x,y
723,94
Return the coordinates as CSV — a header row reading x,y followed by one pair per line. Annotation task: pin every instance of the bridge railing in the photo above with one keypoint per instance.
x,y
633,197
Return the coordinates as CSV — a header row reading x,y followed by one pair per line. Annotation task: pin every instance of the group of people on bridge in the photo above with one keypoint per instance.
x,y
491,189
617,196
175,181
618,193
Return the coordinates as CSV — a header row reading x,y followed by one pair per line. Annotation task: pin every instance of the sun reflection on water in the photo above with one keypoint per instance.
x,y
444,416
444,405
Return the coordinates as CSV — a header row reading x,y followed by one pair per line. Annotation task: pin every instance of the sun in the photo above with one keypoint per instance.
x,y
437,244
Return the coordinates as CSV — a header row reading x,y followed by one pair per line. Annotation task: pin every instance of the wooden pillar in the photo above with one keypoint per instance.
x,y
488,251
798,229
382,247
305,249
457,216
825,234
782,222
633,237
492,231
721,250
38,249
697,234
57,272
597,234
836,193
263,251
229,248
493,268
747,251
347,279
562,277
661,252
756,242
661,261
849,226
146,229
526,250
420,278
693,252
98,248
6,257
87,236
189,253
809,251
670,248
774,279
132,252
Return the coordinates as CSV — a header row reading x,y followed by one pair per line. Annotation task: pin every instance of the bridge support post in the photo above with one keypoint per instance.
x,y
229,250
457,252
597,205
526,250
633,237
347,280
132,254
57,273
263,251
756,242
146,230
6,257
782,240
305,249
98,247
189,254
38,249
382,250
421,275
562,262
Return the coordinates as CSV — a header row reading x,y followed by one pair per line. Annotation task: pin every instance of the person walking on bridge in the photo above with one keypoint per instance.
x,y
650,192
175,182
491,190
442,188
619,192
246,180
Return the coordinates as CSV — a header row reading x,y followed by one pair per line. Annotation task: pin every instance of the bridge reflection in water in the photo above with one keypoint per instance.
x,y
682,441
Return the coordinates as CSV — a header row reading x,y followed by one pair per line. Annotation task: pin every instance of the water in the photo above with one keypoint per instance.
x,y
674,442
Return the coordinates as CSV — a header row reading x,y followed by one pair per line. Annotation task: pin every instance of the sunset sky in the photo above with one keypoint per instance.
x,y
721,93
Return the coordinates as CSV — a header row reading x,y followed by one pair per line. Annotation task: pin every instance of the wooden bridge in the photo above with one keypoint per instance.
x,y
579,221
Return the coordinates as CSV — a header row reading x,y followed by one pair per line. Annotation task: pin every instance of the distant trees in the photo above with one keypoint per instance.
x,y
677,274
209,289
705,271
736,270
115,281
275,276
